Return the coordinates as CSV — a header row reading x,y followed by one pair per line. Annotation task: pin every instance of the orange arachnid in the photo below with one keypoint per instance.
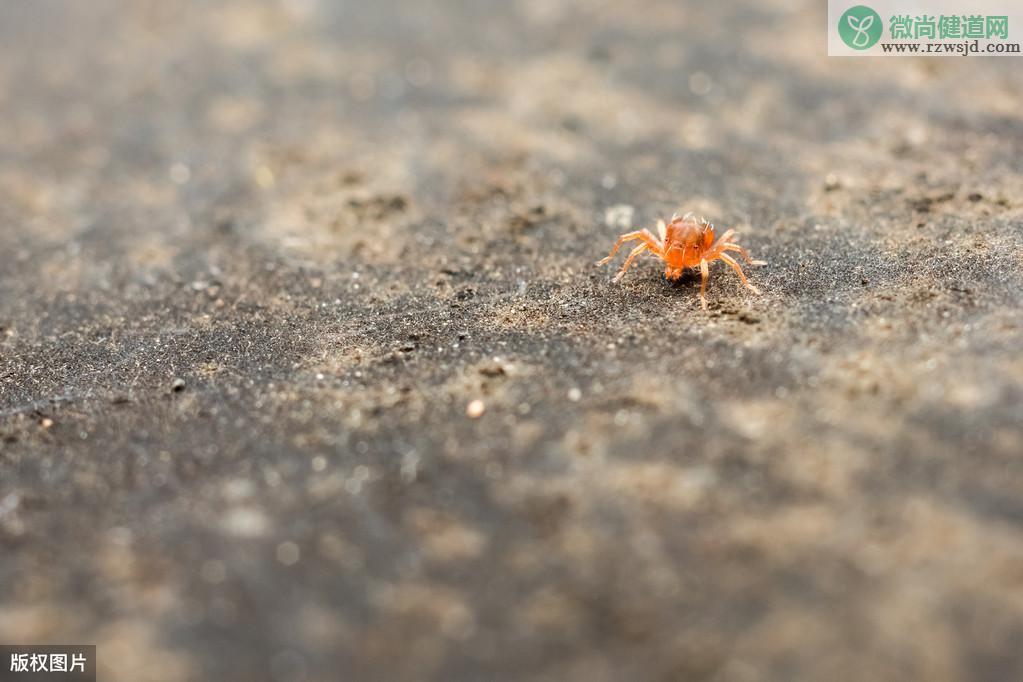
x,y
685,243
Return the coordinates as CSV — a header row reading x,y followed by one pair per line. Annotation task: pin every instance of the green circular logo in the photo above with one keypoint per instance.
x,y
860,27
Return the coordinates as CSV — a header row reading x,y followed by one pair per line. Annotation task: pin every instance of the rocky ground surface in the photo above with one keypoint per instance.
x,y
306,372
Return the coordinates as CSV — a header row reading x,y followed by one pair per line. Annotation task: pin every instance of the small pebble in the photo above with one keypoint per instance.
x,y
288,553
179,174
263,176
700,84
475,409
619,216
178,385
574,394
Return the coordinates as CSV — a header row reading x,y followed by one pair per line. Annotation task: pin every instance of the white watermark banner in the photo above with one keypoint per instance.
x,y
925,28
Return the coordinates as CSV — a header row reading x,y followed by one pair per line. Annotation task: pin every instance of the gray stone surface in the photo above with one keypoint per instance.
x,y
257,261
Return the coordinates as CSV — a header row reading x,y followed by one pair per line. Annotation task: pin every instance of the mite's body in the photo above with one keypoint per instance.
x,y
685,243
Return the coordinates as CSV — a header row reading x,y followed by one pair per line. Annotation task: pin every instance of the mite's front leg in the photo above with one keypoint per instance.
x,y
704,274
628,261
732,246
738,270
648,238
627,237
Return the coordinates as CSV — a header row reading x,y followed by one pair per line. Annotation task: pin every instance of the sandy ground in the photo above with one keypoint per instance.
x,y
306,372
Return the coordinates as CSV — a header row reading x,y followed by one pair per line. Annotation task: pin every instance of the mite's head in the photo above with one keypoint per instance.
x,y
685,238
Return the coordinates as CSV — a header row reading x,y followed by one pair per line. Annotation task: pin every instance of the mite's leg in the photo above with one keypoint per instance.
x,y
738,270
723,239
656,245
732,246
628,261
704,274
648,238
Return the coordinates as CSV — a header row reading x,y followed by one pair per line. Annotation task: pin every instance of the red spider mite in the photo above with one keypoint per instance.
x,y
685,243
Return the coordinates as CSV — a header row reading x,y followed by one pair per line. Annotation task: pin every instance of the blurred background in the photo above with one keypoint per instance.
x,y
306,372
